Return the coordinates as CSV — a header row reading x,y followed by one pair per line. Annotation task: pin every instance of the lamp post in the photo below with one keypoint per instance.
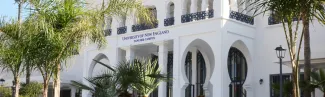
x,y
280,52
2,81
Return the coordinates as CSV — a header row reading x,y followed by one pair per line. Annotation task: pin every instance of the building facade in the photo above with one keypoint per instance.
x,y
213,48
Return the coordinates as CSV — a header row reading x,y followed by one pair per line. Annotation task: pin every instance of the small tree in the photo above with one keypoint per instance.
x,y
32,89
13,47
142,76
286,11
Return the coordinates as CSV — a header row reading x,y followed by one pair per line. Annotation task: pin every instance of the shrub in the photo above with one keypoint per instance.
x,y
5,92
33,89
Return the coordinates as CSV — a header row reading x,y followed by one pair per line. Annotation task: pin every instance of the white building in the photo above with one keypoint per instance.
x,y
198,41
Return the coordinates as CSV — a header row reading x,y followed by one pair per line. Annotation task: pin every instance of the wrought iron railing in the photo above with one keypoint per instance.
x,y
186,18
140,27
121,30
197,16
273,21
108,32
169,21
242,17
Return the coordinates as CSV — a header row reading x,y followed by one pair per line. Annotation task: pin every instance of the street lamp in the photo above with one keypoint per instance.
x,y
2,81
280,52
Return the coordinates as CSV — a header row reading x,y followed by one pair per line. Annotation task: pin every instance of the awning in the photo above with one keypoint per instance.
x,y
315,63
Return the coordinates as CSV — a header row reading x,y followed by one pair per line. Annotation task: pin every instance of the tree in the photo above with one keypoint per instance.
x,y
32,89
310,9
150,76
286,11
13,47
142,76
71,24
287,88
318,80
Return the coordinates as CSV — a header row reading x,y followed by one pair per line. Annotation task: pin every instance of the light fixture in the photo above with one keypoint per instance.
x,y
280,52
261,81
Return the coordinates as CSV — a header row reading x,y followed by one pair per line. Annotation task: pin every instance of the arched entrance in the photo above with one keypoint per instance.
x,y
237,70
197,67
195,74
96,68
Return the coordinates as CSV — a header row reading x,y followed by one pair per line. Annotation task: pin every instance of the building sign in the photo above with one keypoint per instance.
x,y
145,36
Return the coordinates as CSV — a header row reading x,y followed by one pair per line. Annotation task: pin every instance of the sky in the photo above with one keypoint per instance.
x,y
8,8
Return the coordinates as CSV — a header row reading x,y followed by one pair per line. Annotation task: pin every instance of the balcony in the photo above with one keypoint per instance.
x,y
197,16
121,30
273,21
140,27
169,21
108,32
242,17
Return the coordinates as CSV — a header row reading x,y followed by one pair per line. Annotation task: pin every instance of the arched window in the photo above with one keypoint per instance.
x,y
199,5
237,69
108,26
170,74
170,15
187,6
170,8
123,21
210,4
195,74
153,11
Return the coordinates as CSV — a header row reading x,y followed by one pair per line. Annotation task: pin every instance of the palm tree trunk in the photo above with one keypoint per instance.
x,y
17,86
45,86
28,73
307,69
57,81
20,4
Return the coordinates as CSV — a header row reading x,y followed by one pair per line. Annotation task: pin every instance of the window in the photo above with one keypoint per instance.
x,y
275,80
195,87
155,92
199,5
170,10
237,69
170,74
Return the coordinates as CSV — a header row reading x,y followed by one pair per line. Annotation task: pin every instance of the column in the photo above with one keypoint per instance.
x,y
178,11
177,84
162,60
161,14
73,91
193,6
205,5
129,52
130,21
194,69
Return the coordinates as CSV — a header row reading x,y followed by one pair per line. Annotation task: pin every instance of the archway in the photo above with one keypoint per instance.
x,y
238,68
197,63
95,68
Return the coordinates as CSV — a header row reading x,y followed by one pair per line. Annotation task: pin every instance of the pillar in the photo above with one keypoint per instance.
x,y
205,4
193,6
129,52
194,69
162,60
73,91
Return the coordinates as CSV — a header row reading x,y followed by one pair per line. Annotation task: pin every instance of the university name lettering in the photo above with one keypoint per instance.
x,y
145,36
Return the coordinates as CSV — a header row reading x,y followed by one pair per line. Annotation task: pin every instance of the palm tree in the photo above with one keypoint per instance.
x,y
72,24
286,11
287,87
310,9
150,76
13,47
142,76
318,80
